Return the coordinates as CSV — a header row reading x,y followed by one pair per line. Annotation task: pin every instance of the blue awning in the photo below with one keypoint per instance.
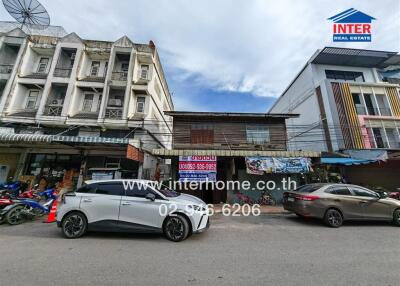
x,y
346,161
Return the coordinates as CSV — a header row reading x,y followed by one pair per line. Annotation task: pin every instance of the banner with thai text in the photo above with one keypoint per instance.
x,y
198,168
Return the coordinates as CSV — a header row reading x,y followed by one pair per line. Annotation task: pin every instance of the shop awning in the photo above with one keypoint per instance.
x,y
346,161
234,153
101,140
9,137
40,138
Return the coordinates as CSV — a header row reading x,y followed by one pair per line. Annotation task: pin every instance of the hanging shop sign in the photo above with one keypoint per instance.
x,y
198,168
261,165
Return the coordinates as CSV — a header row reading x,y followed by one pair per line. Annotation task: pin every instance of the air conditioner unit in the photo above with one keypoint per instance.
x,y
57,102
114,102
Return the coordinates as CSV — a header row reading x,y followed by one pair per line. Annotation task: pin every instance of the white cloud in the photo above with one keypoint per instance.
x,y
254,46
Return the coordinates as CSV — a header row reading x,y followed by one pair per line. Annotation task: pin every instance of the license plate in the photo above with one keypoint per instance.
x,y
290,199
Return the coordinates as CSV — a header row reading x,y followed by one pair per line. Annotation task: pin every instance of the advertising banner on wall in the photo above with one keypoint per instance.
x,y
198,168
261,165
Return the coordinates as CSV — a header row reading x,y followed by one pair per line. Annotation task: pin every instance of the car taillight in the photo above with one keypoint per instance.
x,y
307,197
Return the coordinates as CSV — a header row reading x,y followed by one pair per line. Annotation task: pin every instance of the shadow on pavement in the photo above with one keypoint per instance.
x,y
38,229
319,222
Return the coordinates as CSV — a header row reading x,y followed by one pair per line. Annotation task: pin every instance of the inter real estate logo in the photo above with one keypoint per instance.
x,y
352,26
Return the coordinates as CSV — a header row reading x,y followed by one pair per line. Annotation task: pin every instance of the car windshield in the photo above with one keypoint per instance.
x,y
309,188
167,192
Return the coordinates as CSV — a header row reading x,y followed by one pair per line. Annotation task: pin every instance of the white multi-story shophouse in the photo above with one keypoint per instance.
x,y
79,108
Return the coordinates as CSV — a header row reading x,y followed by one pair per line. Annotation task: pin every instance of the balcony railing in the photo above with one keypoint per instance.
x,y
53,110
385,111
378,111
120,76
26,112
62,72
6,69
114,112
94,78
394,145
361,110
36,75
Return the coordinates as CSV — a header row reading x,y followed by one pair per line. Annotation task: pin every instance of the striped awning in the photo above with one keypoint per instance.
x,y
10,137
40,138
100,140
234,153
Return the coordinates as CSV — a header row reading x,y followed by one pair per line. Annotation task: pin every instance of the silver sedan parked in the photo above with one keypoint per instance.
x,y
335,203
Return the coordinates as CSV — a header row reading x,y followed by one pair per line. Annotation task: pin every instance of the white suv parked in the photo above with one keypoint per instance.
x,y
131,206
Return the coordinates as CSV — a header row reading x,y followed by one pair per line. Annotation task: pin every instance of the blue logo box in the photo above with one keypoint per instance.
x,y
352,37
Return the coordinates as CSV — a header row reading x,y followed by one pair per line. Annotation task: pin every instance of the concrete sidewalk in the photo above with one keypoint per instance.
x,y
263,209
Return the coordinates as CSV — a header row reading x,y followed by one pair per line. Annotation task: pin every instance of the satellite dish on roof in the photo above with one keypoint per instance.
x,y
28,13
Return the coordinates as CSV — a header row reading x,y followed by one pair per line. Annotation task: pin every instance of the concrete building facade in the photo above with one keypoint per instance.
x,y
85,97
344,102
348,101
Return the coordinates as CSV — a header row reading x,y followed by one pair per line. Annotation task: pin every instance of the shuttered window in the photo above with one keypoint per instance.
x,y
201,134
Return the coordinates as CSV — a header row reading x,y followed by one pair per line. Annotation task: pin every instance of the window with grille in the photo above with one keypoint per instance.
x,y
88,102
94,71
144,71
345,75
42,67
124,68
32,99
140,104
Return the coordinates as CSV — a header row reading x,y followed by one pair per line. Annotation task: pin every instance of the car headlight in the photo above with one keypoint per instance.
x,y
197,208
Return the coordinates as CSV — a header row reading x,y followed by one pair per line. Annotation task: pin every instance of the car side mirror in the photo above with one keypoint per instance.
x,y
151,197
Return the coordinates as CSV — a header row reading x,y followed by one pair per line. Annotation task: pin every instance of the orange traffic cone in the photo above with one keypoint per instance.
x,y
52,214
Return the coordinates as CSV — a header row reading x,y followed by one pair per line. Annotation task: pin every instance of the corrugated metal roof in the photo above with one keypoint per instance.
x,y
52,31
230,114
234,153
352,57
9,137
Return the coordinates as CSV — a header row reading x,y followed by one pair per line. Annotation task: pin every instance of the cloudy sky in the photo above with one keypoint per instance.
x,y
225,55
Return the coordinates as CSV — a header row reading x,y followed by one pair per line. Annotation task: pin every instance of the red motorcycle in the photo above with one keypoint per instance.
x,y
30,194
6,198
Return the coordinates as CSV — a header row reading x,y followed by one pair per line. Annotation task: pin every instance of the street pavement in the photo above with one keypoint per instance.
x,y
266,250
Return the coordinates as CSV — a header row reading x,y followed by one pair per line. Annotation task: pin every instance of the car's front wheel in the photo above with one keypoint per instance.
x,y
176,228
396,217
333,218
74,225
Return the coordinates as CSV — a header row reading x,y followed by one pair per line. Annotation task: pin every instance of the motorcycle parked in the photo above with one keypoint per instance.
x,y
31,193
4,202
13,188
27,209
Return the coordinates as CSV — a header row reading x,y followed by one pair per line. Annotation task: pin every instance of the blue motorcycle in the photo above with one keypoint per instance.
x,y
13,188
27,209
